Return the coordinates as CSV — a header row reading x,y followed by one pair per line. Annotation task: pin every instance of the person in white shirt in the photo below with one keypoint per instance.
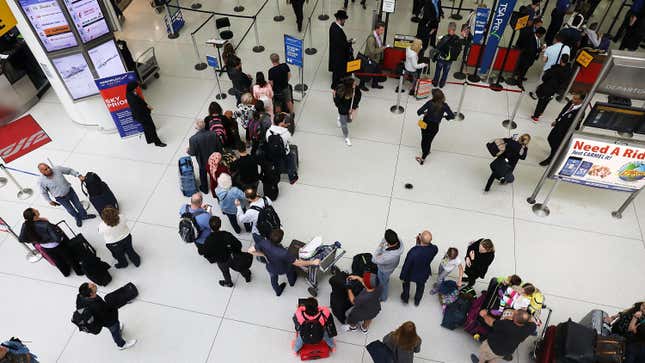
x,y
553,53
117,237
251,214
412,65
450,261
281,155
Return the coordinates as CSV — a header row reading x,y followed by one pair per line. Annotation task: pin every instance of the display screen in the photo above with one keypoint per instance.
x,y
76,74
106,60
50,24
616,117
88,18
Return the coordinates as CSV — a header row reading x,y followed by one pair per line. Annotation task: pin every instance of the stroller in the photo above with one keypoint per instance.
x,y
329,255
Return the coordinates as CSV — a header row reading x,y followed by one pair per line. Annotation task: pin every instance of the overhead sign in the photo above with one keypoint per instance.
x,y
602,163
113,91
7,20
521,22
498,24
21,137
388,6
293,50
584,58
353,65
481,19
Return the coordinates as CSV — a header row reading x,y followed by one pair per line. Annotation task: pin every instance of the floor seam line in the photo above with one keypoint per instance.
x,y
69,339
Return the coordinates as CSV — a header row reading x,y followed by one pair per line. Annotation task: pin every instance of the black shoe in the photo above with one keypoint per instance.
x,y
416,303
247,278
364,88
532,95
404,300
363,4
281,288
225,283
474,358
90,216
545,162
411,93
376,85
160,144
79,222
118,265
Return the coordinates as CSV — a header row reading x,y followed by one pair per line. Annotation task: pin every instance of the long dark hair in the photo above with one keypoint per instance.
x,y
30,226
438,99
346,88
214,109
405,336
258,109
259,79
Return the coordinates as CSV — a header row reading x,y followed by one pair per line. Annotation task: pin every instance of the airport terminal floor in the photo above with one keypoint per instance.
x,y
579,257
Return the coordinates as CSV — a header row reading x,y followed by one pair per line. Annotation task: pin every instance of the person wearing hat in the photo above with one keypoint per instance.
x,y
340,50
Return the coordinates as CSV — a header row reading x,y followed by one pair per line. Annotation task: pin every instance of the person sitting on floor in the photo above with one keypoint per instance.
x,y
312,324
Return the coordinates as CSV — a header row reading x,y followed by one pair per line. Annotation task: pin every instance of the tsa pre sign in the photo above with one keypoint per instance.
x,y
498,24
603,164
113,90
20,137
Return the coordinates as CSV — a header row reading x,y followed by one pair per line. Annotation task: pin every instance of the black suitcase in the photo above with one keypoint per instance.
x,y
574,343
379,352
96,270
270,180
99,202
283,166
121,296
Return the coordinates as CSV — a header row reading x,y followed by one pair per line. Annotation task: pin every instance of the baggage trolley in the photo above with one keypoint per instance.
x,y
329,255
147,66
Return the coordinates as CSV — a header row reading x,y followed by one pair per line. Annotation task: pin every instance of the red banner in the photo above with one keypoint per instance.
x,y
21,137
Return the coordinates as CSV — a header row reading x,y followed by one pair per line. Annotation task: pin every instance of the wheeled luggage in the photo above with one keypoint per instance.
x,y
283,165
595,320
82,252
544,350
96,270
379,352
270,179
121,296
610,349
314,351
187,182
98,192
574,343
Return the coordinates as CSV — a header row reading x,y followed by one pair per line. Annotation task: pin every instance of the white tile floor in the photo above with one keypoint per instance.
x,y
580,256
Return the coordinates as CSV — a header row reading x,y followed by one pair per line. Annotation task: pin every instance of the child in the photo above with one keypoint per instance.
x,y
448,263
515,297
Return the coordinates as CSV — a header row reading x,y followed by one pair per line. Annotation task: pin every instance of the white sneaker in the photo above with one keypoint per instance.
x,y
128,344
348,142
345,327
122,326
338,121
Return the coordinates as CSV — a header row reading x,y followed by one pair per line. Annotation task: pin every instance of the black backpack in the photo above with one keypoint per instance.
x,y
268,219
84,320
311,331
274,147
188,228
93,184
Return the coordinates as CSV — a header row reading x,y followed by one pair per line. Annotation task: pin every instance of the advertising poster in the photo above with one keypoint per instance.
x,y
106,59
76,75
113,92
88,18
481,19
20,137
599,163
50,24
293,50
498,23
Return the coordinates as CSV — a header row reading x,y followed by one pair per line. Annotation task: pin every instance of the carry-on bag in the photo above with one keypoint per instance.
x,y
379,352
98,192
187,182
610,349
496,147
96,270
544,350
424,85
121,296
473,323
314,351
241,261
595,320
283,166
574,343
78,245
362,263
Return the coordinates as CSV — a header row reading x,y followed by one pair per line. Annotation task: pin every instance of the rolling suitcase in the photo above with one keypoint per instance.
x,y
610,349
574,343
314,351
596,321
96,270
187,182
121,296
270,180
98,192
283,166
544,350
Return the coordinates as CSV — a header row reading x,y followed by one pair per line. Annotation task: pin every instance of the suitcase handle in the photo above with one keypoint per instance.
x,y
68,227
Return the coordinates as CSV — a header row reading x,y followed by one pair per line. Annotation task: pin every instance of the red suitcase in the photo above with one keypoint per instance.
x,y
544,352
392,57
314,351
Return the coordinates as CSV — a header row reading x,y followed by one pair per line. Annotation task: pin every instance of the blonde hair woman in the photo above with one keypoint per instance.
x,y
412,65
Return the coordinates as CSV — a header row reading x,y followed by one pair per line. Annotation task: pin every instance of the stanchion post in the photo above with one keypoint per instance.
x,y
460,75
238,7
460,116
456,15
398,109
561,97
492,65
541,209
279,17
220,95
323,16
199,66
302,87
619,213
32,255
510,124
311,50
23,193
258,48
475,77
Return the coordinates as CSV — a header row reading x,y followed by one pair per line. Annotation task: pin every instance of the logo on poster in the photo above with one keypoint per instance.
x,y
23,145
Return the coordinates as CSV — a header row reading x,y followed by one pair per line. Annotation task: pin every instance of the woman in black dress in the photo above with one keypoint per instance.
x,y
141,113
479,255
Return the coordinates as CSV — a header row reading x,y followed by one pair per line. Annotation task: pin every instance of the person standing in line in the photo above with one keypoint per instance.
x,y
298,6
374,48
387,257
557,18
250,216
339,49
263,91
554,80
279,76
479,256
245,169
215,169
429,24
403,342
141,113
227,195
279,260
416,267
505,336
412,65
223,248
449,262
202,145
449,48
52,183
201,213
529,45
634,26
515,151
104,314
284,155
562,124
242,82
345,94
433,111
552,56
118,239
47,238
366,305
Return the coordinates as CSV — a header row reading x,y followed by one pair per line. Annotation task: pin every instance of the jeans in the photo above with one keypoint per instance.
x,y
299,343
442,276
427,136
291,277
417,294
122,248
343,124
115,330
72,205
384,281
236,226
441,73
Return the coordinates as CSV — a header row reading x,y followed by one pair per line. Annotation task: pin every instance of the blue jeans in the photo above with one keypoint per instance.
x,y
291,277
441,276
72,205
115,330
384,281
300,343
443,68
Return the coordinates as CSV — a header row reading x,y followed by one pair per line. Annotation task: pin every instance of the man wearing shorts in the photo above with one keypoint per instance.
x,y
279,76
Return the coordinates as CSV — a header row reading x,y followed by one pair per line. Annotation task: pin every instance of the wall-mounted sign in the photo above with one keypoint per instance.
x,y
7,20
88,18
388,6
49,22
76,75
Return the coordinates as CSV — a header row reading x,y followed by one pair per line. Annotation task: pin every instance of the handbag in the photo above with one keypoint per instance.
x,y
422,124
496,147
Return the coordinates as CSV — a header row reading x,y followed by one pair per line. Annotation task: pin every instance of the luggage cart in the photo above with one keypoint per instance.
x,y
146,66
329,255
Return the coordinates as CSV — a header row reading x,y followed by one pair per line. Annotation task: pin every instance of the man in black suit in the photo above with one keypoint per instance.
x,y
529,45
427,28
339,49
562,124
554,80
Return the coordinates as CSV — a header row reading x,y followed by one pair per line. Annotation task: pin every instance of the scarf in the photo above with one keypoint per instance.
x,y
213,163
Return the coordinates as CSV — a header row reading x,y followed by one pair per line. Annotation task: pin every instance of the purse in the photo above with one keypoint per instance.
x,y
422,124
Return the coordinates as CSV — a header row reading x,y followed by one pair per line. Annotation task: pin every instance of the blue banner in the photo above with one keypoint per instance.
x,y
498,24
113,91
293,50
481,19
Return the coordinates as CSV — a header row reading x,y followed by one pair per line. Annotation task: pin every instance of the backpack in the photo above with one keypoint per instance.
x,y
268,219
449,48
311,331
254,129
275,146
188,227
84,320
217,125
93,184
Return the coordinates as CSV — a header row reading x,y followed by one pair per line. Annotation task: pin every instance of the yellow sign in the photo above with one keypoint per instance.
x,y
584,58
7,20
353,65
521,22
